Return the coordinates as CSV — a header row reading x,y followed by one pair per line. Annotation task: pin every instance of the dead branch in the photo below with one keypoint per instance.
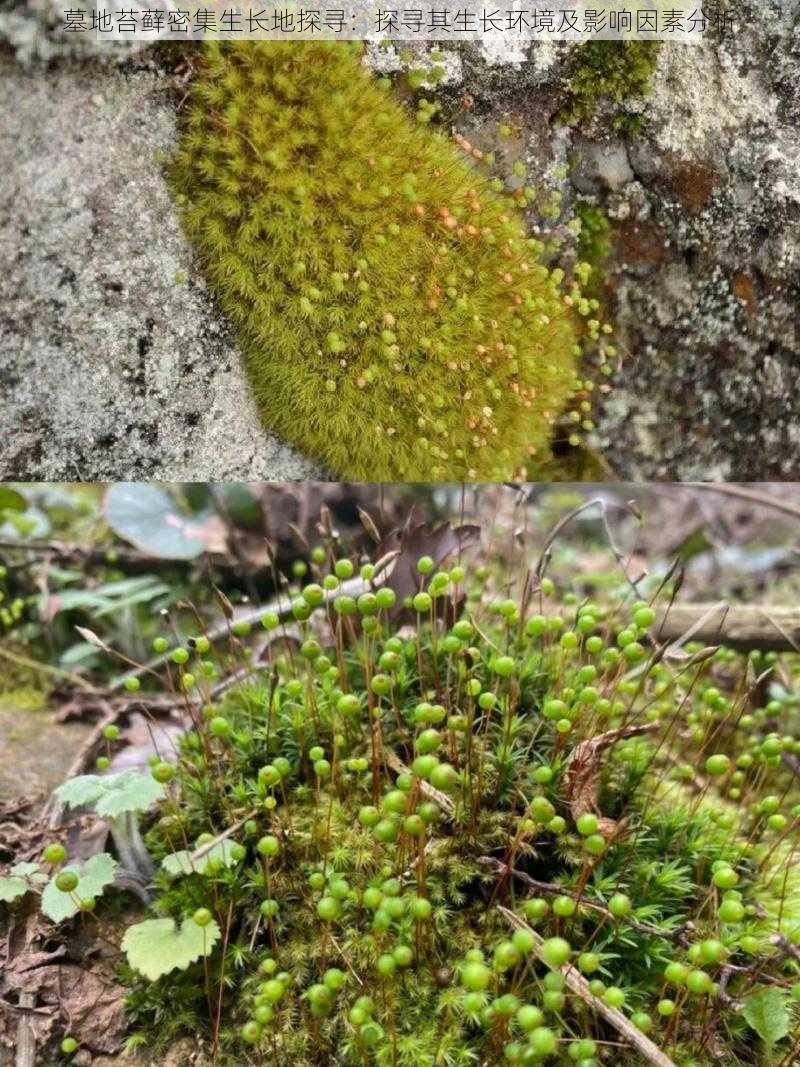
x,y
282,606
578,984
554,889
744,627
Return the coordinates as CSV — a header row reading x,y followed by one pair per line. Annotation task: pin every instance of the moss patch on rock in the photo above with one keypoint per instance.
x,y
610,70
396,318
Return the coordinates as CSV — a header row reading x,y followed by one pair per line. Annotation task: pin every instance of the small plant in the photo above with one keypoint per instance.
x,y
67,890
120,798
397,320
453,820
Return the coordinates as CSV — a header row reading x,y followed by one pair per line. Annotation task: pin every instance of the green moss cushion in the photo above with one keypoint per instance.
x,y
394,318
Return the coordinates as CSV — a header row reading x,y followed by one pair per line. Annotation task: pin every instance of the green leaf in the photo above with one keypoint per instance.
x,y
112,794
81,791
11,500
240,506
20,879
149,518
112,597
131,792
82,652
181,862
97,873
766,1012
158,946
32,523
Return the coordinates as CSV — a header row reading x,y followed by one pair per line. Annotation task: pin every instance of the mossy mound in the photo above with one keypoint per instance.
x,y
614,71
396,321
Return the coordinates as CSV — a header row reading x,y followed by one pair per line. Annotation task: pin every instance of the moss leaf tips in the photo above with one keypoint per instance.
x,y
395,320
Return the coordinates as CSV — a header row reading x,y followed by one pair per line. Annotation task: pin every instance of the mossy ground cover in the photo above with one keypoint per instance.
x,y
397,320
409,837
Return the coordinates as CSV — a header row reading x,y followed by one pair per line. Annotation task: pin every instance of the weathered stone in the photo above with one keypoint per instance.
x,y
116,367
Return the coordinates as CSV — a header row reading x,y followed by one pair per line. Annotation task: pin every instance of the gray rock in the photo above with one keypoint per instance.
x,y
114,368
114,361
707,267
603,166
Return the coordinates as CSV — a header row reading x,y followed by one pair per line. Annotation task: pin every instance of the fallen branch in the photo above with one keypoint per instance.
x,y
678,936
578,984
755,497
282,607
743,627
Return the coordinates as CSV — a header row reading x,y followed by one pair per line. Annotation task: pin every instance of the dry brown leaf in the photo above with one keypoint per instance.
x,y
412,542
582,776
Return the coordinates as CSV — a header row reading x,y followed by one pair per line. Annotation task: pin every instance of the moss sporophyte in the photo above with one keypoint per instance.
x,y
396,319
486,822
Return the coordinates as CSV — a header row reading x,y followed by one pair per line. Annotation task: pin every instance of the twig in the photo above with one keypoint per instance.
x,y
26,1038
678,936
282,607
53,809
748,494
564,521
743,627
786,946
45,668
30,1010
115,709
578,984
442,799
204,849
769,615
723,996
347,962
696,625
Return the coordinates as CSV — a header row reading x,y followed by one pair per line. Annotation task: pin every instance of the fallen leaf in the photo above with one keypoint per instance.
x,y
413,542
582,776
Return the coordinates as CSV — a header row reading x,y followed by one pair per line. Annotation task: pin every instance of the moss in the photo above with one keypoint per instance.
x,y
576,464
24,698
610,70
22,685
594,241
594,244
395,318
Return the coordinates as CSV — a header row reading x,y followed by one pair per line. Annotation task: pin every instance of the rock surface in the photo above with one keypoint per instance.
x,y
117,366
114,362
37,750
707,267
